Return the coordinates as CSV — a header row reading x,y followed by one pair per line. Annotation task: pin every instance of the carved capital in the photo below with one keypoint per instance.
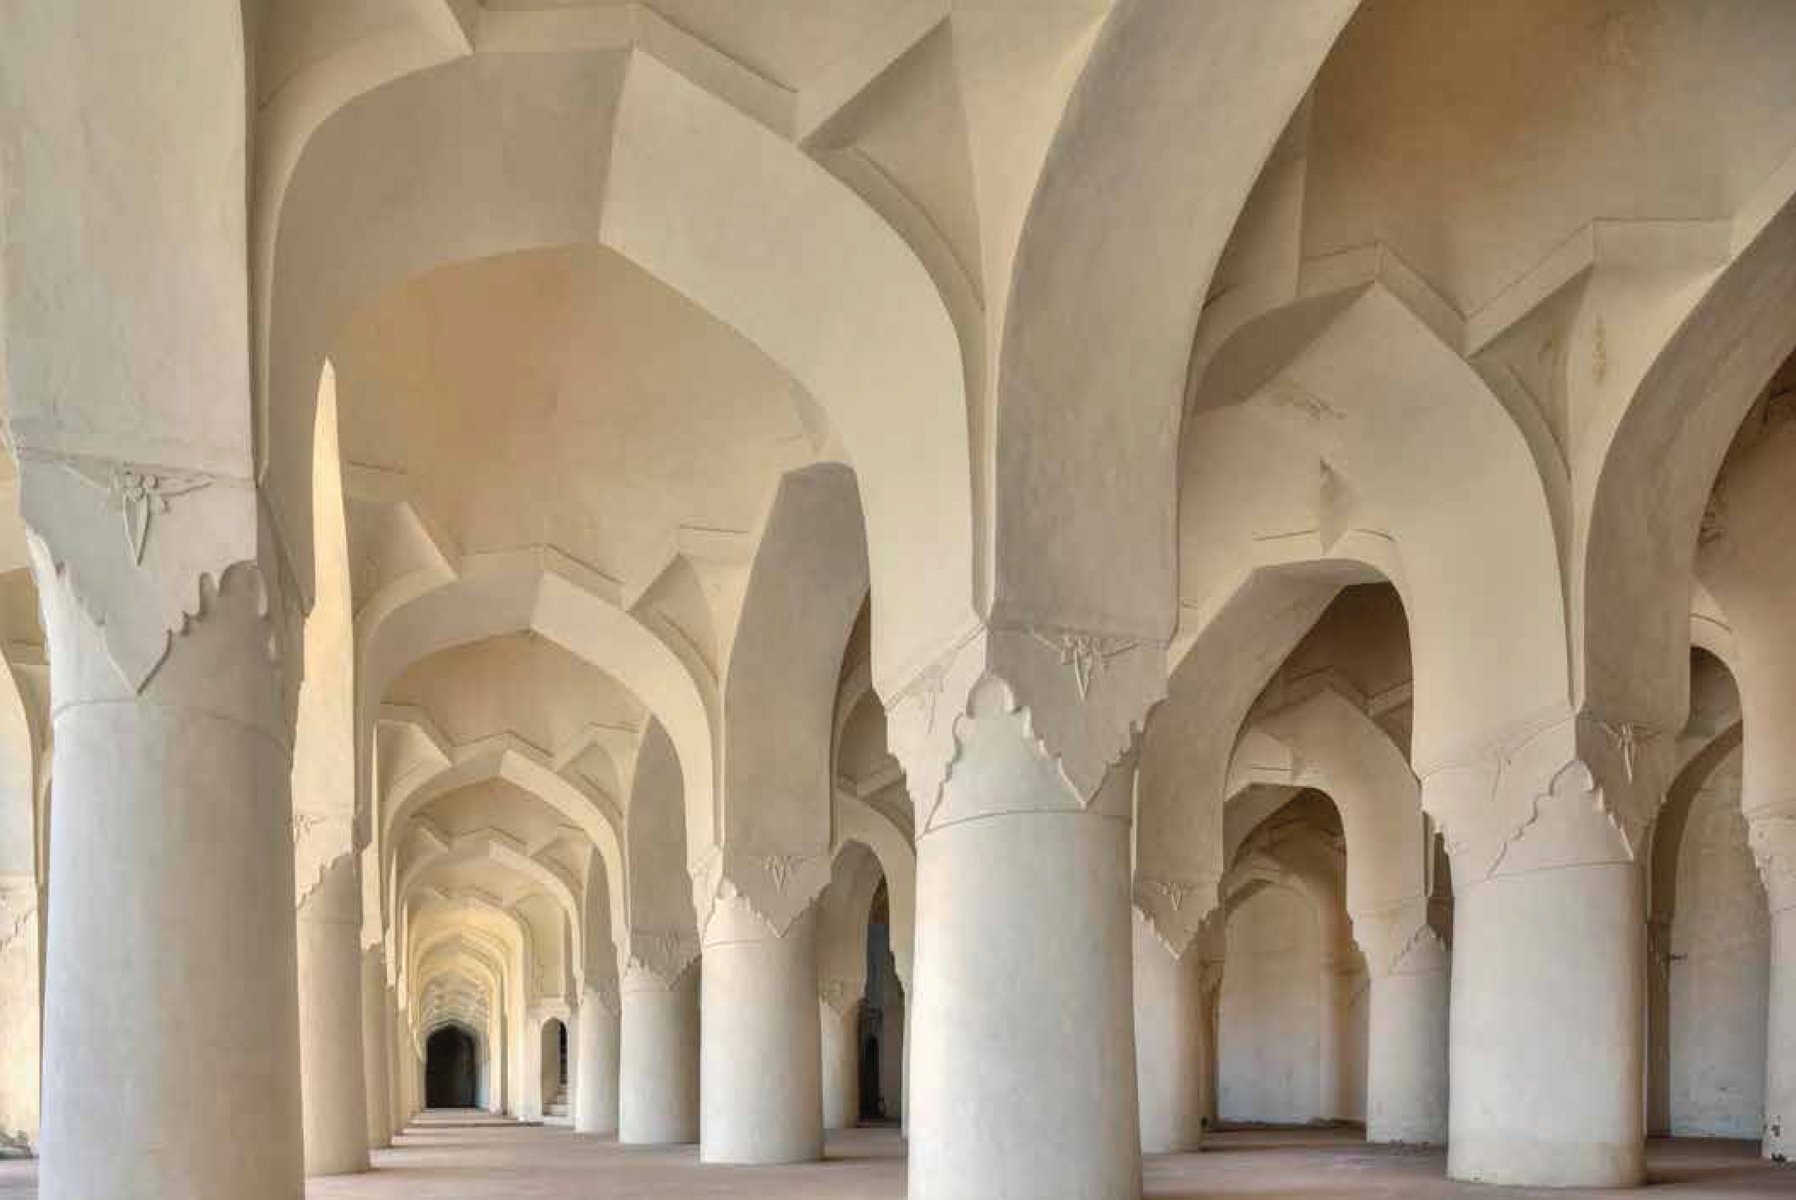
x,y
840,996
133,560
1562,791
777,884
1176,908
1404,939
658,957
1080,698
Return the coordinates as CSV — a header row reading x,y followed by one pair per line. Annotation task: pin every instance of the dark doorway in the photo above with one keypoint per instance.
x,y
449,1069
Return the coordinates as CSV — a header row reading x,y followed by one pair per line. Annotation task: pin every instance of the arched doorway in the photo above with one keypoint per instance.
x,y
450,1069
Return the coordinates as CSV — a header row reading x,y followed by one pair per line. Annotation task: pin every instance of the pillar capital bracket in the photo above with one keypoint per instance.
x,y
1081,695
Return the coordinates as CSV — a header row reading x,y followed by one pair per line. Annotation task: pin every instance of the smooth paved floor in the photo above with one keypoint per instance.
x,y
452,1156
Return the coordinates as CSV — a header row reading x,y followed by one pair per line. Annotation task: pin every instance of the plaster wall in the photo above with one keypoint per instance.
x,y
1269,1065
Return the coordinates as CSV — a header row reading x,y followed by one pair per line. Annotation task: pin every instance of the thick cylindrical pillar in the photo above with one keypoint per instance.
x,y
596,1030
1547,1027
333,1083
1407,1027
760,1054
171,1025
1169,1044
375,1056
658,1059
1023,1062
397,1112
840,1024
1780,1042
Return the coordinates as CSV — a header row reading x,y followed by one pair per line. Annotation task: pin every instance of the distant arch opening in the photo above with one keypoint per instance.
x,y
451,1069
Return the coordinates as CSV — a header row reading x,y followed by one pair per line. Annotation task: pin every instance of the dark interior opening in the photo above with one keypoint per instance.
x,y
449,1069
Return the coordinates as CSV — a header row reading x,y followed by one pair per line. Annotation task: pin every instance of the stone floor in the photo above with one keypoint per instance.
x,y
453,1157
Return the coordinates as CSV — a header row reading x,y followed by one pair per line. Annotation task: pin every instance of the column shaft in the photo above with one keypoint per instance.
x,y
333,1083
761,1089
1406,1057
658,1059
1023,1064
1780,1043
376,1058
841,1064
596,1064
171,1031
1169,1044
1547,1028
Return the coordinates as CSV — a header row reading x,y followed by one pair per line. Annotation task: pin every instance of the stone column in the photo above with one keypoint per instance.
x,y
839,1014
375,1055
397,1111
760,1077
1022,1077
1406,1039
333,1082
171,1027
1169,1044
658,1057
1773,835
1549,961
596,1062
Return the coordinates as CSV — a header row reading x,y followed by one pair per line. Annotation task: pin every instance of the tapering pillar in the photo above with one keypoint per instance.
x,y
1023,1076
171,1028
597,1033
1549,961
760,1055
1773,834
1406,1043
658,1056
376,1057
333,1082
1169,1043
839,1013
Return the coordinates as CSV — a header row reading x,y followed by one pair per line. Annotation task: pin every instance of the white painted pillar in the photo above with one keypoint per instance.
x,y
1169,1043
595,1067
839,1015
1549,963
1773,835
376,1058
1023,1060
397,1111
760,1054
1406,1051
658,1058
333,1082
171,1026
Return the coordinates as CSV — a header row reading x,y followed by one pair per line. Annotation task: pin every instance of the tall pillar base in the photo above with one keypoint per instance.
x,y
1547,1034
760,1056
1169,1044
658,1059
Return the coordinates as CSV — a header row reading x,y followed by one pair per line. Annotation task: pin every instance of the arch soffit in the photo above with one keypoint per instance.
x,y
755,209
1113,283
507,757
494,847
1426,452
1333,745
497,594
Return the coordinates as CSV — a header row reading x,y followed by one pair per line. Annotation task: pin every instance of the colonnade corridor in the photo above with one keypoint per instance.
x,y
957,599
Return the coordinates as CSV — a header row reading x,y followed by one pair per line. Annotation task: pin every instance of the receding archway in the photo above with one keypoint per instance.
x,y
554,1068
451,1073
